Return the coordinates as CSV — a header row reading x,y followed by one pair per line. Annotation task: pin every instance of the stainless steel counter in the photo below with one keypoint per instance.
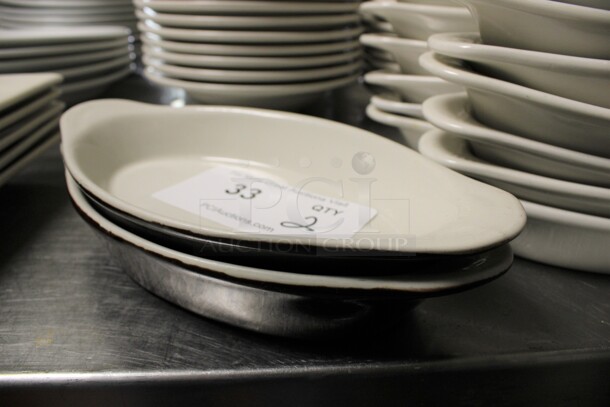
x,y
75,330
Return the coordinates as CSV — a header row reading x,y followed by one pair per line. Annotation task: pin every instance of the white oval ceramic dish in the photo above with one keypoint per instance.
x,y
406,282
443,211
454,153
411,129
271,96
215,22
392,104
248,7
65,35
249,63
419,21
405,52
62,61
565,239
583,79
155,41
252,76
541,116
452,113
60,49
250,37
411,88
543,25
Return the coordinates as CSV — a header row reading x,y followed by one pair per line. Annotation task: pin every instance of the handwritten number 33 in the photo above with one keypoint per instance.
x,y
240,187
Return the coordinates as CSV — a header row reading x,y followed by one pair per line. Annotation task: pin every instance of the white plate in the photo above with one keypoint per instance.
x,y
62,61
61,49
542,25
404,51
411,88
583,79
248,7
63,35
251,76
419,21
541,116
26,125
271,96
9,118
249,63
16,88
9,155
411,129
452,113
43,19
87,70
563,238
155,41
86,89
72,11
69,4
28,157
441,210
406,282
392,104
250,37
453,152
248,22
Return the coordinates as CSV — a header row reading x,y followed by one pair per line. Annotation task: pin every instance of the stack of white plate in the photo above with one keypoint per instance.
x,y
241,216
273,54
66,13
400,84
535,120
29,119
89,58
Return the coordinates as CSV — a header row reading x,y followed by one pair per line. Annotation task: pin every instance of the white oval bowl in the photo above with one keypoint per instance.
x,y
453,152
248,22
411,88
405,52
250,37
543,25
541,116
419,21
392,104
452,113
154,147
248,7
249,63
564,238
252,76
249,50
410,128
584,79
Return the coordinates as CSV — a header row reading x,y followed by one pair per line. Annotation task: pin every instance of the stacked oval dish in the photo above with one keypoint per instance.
x,y
66,13
535,120
29,119
402,85
254,53
89,58
237,214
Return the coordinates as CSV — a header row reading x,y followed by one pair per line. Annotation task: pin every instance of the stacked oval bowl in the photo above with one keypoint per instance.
x,y
535,120
89,58
29,119
66,13
274,54
239,215
401,84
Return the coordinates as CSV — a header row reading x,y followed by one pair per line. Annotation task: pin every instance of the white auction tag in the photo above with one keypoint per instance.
x,y
247,203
